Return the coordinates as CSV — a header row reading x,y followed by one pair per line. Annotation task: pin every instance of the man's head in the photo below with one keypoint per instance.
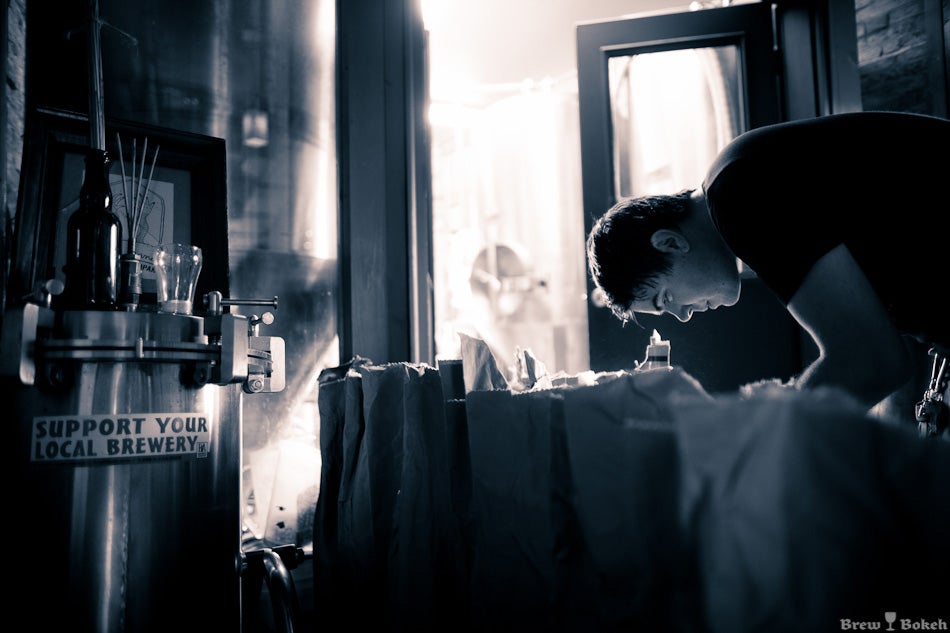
x,y
657,254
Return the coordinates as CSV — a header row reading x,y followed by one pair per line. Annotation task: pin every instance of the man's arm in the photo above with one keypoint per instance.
x,y
859,347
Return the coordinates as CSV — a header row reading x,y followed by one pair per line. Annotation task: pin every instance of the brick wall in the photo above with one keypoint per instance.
x,y
902,54
12,102
15,76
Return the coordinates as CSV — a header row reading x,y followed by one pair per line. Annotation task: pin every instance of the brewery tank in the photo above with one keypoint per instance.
x,y
125,493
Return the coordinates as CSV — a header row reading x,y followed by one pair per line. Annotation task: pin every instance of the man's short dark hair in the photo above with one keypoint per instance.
x,y
620,258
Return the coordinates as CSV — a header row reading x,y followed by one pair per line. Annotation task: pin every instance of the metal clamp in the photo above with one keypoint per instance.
x,y
932,411
247,356
230,350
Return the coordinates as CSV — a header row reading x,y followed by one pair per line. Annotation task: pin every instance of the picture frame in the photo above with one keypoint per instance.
x,y
186,199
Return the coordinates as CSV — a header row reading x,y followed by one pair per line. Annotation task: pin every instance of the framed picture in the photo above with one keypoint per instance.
x,y
170,184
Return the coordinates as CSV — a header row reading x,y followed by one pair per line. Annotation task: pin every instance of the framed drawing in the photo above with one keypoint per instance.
x,y
176,182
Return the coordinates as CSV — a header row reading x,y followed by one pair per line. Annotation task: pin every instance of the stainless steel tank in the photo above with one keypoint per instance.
x,y
125,492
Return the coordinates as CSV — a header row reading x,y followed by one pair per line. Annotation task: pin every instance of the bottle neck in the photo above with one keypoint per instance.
x,y
96,193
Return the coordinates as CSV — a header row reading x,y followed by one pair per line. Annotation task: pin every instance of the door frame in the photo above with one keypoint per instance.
x,y
749,27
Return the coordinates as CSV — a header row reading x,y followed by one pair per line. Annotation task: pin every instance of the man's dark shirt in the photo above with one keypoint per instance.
x,y
782,196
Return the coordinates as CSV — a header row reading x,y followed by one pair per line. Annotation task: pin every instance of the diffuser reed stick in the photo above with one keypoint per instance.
x,y
133,193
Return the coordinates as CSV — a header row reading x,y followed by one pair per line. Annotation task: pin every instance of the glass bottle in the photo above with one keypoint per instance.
x,y
93,240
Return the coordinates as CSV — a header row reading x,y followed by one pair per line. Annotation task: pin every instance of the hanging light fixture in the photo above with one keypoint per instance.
x,y
255,128
255,122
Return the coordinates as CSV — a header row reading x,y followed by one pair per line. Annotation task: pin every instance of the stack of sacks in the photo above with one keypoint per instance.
x,y
637,501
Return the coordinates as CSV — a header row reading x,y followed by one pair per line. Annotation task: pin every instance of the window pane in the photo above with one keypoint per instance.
x,y
671,113
508,244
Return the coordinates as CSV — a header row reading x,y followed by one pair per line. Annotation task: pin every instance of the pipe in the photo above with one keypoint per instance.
x,y
97,127
280,585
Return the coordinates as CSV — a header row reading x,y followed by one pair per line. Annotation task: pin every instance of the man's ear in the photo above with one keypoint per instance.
x,y
669,241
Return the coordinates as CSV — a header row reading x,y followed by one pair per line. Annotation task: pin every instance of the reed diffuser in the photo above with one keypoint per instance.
x,y
134,195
